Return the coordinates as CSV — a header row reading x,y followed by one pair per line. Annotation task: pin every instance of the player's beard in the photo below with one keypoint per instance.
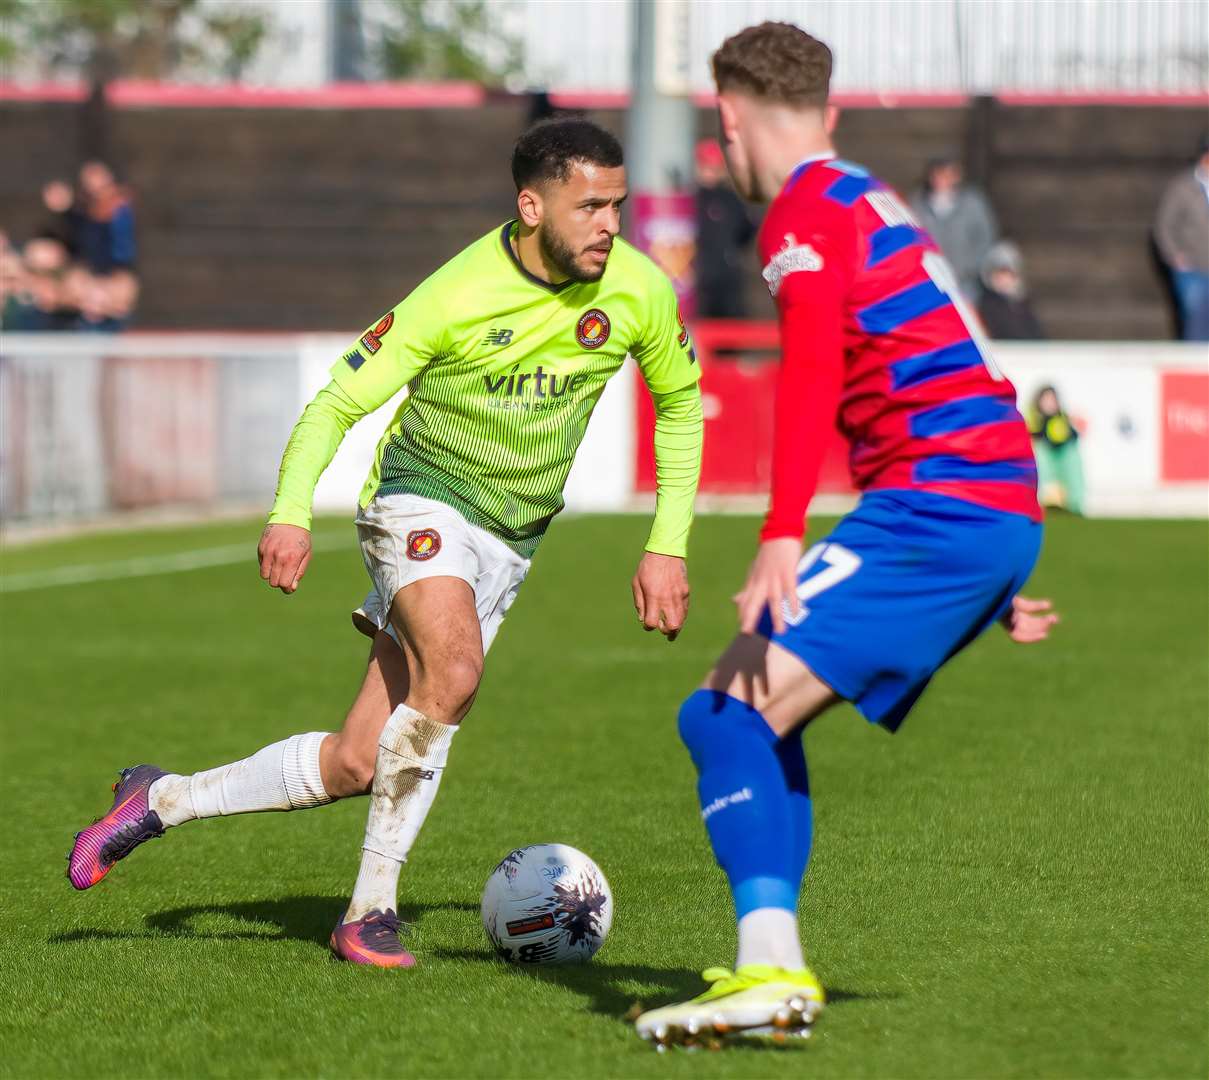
x,y
559,254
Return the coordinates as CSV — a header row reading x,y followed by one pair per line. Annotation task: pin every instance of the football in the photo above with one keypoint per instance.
x,y
547,904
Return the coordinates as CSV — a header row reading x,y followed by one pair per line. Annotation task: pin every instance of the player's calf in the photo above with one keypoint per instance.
x,y
347,765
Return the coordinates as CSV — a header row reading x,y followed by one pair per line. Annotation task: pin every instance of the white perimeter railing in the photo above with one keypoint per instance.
x,y
880,46
91,425
904,46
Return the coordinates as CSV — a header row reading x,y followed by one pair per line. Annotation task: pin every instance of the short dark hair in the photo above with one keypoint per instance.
x,y
776,61
547,150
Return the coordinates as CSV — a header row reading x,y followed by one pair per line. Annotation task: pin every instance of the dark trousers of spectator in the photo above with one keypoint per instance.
x,y
720,300
1192,297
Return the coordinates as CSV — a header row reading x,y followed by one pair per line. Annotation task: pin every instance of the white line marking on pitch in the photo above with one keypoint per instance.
x,y
150,565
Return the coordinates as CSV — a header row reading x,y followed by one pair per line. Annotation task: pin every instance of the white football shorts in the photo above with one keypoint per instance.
x,y
405,538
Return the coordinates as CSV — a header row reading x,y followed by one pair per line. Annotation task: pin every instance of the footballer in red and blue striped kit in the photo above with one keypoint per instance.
x,y
877,341
877,338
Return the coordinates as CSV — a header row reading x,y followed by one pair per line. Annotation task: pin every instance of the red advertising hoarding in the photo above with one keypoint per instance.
x,y
739,371
1184,400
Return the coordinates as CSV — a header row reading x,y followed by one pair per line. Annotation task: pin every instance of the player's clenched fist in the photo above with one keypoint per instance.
x,y
284,552
1029,621
661,593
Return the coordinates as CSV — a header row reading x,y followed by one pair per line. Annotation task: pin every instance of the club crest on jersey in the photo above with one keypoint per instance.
x,y
791,258
423,544
592,330
372,341
682,340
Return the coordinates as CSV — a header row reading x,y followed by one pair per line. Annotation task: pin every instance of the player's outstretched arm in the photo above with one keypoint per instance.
x,y
285,545
809,384
660,586
1029,621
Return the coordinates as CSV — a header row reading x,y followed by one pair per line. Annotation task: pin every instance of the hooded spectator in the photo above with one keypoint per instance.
x,y
959,218
1004,304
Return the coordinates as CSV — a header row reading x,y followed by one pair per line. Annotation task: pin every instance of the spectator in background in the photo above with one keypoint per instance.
x,y
959,219
1056,448
34,298
1004,304
77,271
102,303
724,228
1182,234
106,237
41,290
12,278
64,219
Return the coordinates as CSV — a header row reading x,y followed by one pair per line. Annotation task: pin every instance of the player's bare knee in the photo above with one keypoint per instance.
x,y
445,690
462,677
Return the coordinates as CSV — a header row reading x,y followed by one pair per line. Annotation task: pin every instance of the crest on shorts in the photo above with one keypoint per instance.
x,y
372,341
592,330
423,544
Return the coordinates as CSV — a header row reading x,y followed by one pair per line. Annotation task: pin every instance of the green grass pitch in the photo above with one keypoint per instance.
x,y
1015,885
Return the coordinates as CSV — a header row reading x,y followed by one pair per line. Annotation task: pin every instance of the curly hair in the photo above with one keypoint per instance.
x,y
547,150
776,61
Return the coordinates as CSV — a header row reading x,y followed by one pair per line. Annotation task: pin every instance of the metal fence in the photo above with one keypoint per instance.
x,y
911,46
881,46
89,425
92,425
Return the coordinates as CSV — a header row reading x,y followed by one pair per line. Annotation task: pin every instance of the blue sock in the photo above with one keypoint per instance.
x,y
792,756
750,790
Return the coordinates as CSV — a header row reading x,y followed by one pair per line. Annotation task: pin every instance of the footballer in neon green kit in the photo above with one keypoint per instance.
x,y
492,427
504,352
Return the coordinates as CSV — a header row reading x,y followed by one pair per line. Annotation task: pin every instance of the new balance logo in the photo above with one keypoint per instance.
x,y
498,337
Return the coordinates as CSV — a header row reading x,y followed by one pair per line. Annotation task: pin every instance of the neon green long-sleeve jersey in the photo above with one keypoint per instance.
x,y
503,371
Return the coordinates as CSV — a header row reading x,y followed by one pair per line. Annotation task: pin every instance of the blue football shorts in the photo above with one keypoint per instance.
x,y
903,583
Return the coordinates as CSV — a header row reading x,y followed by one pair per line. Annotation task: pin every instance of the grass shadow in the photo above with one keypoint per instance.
x,y
292,918
612,989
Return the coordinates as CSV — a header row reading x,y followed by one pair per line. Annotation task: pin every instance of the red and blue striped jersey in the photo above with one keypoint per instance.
x,y
877,340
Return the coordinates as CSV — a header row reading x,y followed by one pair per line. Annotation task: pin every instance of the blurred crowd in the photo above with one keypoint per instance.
x,y
989,269
76,268
1181,233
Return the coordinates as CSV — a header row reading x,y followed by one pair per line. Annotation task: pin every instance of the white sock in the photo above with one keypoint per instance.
x,y
770,936
284,776
412,752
